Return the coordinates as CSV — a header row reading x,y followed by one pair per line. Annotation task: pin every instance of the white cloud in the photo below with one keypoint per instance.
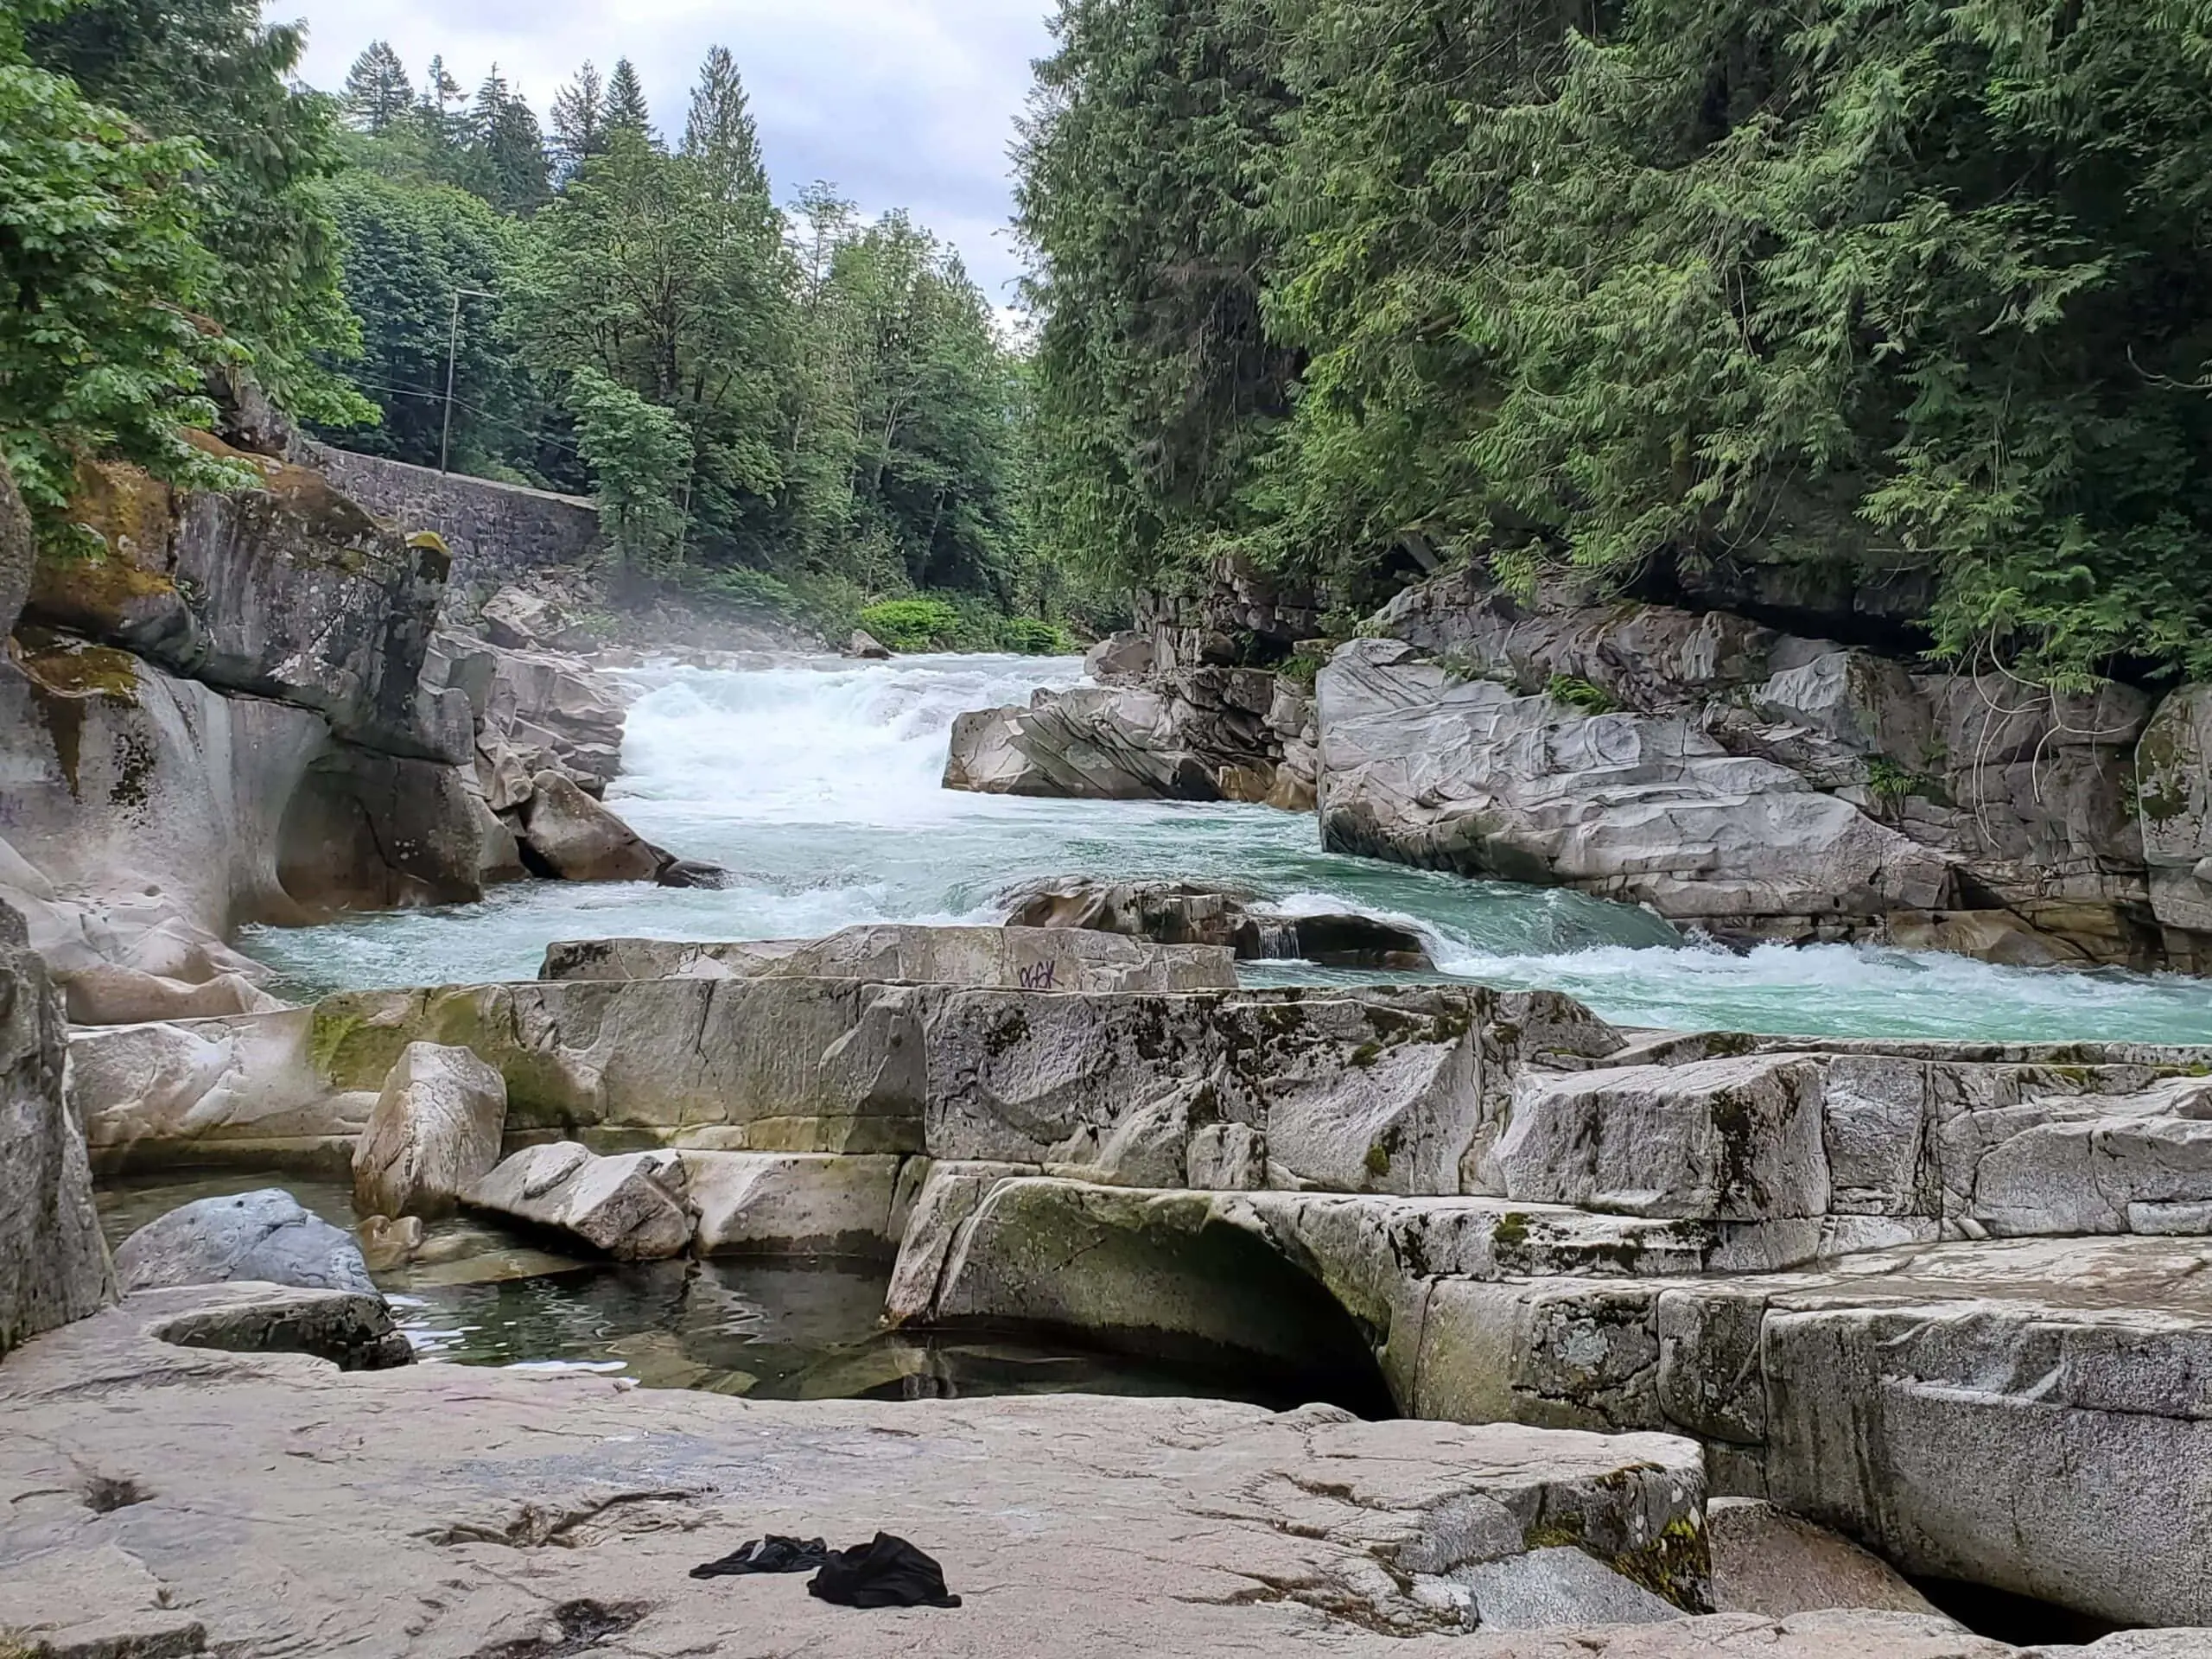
x,y
900,103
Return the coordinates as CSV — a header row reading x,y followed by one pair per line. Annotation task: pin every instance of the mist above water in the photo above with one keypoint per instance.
x,y
816,784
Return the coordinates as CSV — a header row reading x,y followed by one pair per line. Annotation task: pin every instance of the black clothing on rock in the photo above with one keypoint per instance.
x,y
774,1553
888,1572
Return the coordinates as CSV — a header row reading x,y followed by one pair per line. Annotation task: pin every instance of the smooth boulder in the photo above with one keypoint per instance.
x,y
265,1236
579,840
433,1134
634,1207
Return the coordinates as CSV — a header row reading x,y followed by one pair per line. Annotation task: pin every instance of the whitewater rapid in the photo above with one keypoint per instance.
x,y
815,785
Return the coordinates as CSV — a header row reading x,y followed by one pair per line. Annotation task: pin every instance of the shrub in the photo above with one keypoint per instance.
x,y
1034,638
913,623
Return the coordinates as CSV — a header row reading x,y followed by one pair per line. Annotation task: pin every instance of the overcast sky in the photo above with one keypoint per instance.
x,y
900,103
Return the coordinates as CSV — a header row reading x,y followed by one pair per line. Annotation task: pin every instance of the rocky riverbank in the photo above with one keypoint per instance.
x,y
474,1515
1755,780
1944,1298
243,706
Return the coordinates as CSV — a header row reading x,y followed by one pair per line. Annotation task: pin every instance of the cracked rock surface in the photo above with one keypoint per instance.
x,y
165,1500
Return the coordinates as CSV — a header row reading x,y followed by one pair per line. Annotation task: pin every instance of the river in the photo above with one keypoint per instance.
x,y
816,784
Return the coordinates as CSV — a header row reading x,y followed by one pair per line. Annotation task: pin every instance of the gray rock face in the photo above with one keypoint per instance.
x,y
794,1204
1420,765
531,712
288,591
866,647
1199,734
1722,1140
228,727
369,831
144,820
2173,769
1092,743
635,1207
2026,797
18,552
1026,958
53,1266
1197,912
433,1134
579,840
1547,1589
1120,659
518,620
264,1236
1768,1560
245,1088
1945,1299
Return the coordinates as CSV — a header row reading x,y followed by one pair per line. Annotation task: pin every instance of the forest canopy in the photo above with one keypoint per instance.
x,y
1908,290
795,407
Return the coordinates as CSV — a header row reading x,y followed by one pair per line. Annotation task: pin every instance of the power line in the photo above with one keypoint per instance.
x,y
473,409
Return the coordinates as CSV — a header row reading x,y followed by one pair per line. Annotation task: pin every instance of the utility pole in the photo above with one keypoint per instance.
x,y
453,350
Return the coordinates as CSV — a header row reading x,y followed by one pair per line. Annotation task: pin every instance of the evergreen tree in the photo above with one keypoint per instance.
x,y
1142,188
646,273
411,245
718,132
579,121
446,126
378,91
625,109
508,166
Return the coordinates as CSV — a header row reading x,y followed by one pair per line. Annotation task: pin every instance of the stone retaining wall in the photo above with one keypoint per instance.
x,y
493,530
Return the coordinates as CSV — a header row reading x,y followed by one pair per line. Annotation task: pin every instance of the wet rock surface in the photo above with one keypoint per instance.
x,y
1196,912
260,1237
1943,1298
566,1511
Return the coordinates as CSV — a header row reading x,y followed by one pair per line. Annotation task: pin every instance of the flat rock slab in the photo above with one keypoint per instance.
x,y
438,1510
195,1501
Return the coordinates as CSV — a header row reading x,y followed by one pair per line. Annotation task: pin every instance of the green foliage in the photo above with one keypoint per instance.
x,y
1142,191
1642,288
913,623
1890,782
1032,637
411,246
210,72
1582,695
1300,670
102,264
642,458
655,273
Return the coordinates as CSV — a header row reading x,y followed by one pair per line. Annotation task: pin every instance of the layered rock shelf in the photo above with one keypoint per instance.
x,y
1747,778
1945,1298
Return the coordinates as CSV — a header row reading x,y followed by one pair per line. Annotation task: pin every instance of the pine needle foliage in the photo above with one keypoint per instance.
x,y
1876,285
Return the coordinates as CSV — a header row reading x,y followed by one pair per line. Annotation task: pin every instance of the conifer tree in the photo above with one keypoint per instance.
x,y
718,133
626,110
378,91
579,117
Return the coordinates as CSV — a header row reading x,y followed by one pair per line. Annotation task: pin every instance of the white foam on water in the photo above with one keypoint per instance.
x,y
816,784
